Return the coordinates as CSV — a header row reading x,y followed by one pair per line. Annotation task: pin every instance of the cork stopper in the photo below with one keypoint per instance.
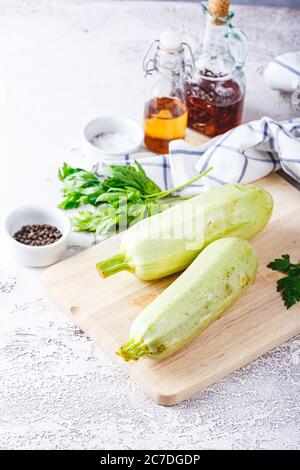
x,y
218,8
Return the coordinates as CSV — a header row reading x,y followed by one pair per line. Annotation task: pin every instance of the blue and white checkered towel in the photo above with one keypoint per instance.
x,y
244,154
283,72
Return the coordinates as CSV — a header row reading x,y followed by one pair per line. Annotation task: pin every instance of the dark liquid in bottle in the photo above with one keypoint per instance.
x,y
214,106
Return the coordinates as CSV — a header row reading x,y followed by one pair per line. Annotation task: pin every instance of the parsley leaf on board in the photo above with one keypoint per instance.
x,y
280,264
288,286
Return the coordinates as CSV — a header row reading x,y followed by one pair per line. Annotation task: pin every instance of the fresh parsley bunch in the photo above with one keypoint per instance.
x,y
121,195
289,286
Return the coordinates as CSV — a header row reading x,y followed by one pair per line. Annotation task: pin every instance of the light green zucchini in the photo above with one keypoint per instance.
x,y
168,242
199,296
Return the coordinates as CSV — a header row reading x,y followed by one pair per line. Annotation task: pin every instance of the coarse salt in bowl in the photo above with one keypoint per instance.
x,y
110,136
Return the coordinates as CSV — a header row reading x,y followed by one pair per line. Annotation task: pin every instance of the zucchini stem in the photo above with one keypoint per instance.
x,y
132,350
113,265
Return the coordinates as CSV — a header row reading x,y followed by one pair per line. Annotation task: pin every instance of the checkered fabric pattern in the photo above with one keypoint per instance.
x,y
242,155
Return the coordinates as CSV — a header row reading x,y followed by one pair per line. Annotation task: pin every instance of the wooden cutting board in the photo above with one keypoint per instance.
x,y
105,308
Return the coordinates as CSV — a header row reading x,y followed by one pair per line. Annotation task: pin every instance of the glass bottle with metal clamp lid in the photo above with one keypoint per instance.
x,y
165,117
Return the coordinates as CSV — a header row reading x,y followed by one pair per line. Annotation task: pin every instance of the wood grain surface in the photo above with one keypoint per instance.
x,y
105,308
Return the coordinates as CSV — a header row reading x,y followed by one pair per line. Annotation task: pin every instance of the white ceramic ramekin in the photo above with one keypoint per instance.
x,y
36,214
104,124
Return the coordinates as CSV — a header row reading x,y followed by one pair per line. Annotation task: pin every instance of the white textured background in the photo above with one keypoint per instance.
x,y
62,62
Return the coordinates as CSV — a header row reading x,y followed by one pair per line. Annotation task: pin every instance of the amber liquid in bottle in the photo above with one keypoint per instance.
x,y
165,120
214,106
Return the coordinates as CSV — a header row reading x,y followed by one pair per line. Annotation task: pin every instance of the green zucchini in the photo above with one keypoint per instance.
x,y
168,242
199,296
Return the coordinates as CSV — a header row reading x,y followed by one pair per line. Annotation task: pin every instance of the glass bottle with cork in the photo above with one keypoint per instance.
x,y
215,93
165,116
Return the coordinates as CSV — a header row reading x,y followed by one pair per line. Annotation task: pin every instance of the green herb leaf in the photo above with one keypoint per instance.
x,y
66,170
121,176
101,221
108,219
280,264
116,197
289,286
123,195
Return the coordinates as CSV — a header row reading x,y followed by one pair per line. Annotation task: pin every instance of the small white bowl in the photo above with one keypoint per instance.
x,y
37,256
105,124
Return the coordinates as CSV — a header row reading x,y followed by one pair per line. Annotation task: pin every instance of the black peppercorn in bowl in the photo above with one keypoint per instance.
x,y
36,235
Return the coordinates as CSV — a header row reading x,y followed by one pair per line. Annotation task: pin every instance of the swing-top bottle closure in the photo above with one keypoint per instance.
x,y
169,55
